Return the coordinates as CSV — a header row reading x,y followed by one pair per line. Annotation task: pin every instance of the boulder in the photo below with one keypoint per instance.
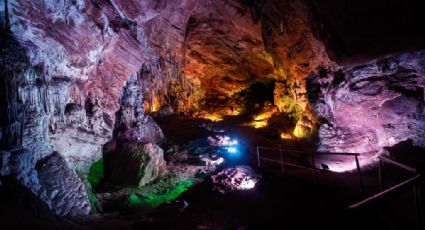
x,y
64,192
152,164
236,178
133,164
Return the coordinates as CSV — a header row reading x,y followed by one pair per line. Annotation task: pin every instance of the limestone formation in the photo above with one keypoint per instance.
x,y
80,80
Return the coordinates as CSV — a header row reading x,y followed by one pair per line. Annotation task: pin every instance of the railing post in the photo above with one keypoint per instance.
x,y
359,172
380,175
281,161
258,157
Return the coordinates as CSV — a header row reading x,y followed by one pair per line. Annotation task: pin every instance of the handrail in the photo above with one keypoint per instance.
x,y
411,182
397,164
316,153
387,192
278,149
340,154
313,161
369,200
289,164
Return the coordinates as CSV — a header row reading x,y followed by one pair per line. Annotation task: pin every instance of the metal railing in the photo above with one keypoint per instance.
x,y
411,182
312,156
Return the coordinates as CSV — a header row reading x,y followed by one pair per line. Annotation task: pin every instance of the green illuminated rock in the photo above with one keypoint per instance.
x,y
158,193
134,200
96,173
134,164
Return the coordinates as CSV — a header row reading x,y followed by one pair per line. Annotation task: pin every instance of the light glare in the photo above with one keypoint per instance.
x,y
231,150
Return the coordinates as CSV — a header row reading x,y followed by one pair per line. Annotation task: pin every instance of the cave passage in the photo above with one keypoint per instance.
x,y
258,93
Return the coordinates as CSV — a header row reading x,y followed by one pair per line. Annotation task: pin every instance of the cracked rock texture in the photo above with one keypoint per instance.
x,y
61,186
64,65
79,74
155,165
375,104
63,68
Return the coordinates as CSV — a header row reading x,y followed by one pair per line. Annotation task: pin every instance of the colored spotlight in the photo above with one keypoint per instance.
x,y
231,150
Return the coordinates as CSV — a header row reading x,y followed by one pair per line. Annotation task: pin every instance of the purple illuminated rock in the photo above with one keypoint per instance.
x,y
64,192
80,74
372,105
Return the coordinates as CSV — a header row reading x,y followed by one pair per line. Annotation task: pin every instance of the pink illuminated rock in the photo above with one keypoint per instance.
x,y
371,106
81,76
67,63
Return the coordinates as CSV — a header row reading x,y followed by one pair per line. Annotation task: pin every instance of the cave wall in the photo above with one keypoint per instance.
x,y
80,54
229,48
86,51
64,65
372,105
74,72
225,51
289,31
64,68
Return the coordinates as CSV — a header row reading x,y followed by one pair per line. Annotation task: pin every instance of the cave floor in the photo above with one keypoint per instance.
x,y
290,201
183,129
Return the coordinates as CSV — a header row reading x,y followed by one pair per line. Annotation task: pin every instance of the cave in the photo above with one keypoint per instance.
x,y
223,114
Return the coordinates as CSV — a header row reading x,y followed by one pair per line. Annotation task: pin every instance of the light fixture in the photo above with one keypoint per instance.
x,y
231,150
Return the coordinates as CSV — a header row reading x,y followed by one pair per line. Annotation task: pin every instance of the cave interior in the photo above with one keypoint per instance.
x,y
200,114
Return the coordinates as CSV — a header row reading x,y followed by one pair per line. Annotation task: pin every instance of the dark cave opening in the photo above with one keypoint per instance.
x,y
257,95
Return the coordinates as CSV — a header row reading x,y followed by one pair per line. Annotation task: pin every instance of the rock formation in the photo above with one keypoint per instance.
x,y
80,76
241,177
372,105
